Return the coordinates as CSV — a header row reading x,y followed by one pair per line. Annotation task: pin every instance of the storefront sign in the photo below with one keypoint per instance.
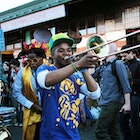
x,y
35,18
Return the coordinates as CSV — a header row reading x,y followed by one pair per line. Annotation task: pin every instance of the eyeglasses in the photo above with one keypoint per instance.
x,y
34,60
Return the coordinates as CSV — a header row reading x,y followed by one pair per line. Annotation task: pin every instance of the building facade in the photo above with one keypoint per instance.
x,y
80,19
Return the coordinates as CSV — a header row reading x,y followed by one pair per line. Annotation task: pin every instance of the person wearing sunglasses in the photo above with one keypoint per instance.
x,y
59,86
25,91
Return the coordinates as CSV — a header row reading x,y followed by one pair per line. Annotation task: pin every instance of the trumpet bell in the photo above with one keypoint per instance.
x,y
97,40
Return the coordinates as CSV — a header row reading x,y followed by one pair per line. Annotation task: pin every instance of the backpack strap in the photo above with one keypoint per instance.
x,y
113,67
114,72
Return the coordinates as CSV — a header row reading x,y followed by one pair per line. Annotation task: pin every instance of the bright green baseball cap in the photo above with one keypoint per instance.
x,y
58,38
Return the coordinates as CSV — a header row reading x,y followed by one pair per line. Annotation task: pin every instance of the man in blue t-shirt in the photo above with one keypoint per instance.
x,y
59,86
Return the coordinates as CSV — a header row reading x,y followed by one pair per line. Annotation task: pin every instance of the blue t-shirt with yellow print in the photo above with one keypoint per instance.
x,y
60,108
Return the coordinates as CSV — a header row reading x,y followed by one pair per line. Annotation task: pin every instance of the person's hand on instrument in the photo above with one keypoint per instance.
x,y
87,61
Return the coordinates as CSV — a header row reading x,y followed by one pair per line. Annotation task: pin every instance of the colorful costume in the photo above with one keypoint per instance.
x,y
60,112
30,118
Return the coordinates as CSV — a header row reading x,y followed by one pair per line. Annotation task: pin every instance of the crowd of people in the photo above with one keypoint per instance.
x,y
50,98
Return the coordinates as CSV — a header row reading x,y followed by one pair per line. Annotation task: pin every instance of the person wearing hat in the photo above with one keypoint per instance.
x,y
25,91
59,86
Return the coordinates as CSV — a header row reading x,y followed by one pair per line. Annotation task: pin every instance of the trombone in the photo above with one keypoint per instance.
x,y
121,51
101,45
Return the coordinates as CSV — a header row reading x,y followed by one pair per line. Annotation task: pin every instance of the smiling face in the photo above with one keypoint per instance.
x,y
59,52
127,56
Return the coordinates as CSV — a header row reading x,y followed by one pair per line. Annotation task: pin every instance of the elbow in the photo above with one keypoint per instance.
x,y
92,88
49,82
96,94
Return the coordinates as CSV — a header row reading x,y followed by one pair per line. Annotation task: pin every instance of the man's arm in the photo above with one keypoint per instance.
x,y
17,91
126,107
58,75
90,82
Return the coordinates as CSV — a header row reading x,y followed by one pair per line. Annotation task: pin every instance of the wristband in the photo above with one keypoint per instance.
x,y
74,67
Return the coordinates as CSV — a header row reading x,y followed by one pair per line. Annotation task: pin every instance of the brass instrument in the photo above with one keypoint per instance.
x,y
100,46
121,51
97,40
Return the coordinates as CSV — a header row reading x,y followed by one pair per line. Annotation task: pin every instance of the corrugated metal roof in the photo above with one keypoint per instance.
x,y
29,8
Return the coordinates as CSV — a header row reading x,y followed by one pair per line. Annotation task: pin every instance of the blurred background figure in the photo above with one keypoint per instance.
x,y
4,90
6,67
112,100
22,57
15,67
25,91
133,119
6,96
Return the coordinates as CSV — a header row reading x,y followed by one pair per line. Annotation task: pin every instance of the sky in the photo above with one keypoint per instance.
x,y
9,4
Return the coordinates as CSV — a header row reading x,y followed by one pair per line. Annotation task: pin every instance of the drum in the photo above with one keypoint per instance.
x,y
7,116
5,134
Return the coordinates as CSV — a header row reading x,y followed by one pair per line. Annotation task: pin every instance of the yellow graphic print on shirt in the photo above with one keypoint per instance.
x,y
69,108
67,87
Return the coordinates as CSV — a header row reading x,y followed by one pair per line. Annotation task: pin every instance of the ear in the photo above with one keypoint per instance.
x,y
53,51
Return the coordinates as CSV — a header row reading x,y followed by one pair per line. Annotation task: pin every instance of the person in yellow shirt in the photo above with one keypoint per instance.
x,y
25,91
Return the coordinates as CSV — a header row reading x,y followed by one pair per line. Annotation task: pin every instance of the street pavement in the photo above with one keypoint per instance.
x,y
16,132
88,134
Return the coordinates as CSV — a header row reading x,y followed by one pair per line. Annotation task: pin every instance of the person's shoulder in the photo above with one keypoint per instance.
x,y
19,72
138,59
138,63
135,61
45,67
42,67
119,62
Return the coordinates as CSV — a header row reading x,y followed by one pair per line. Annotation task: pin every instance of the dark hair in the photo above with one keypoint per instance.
x,y
38,51
135,51
22,53
125,47
15,61
7,63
